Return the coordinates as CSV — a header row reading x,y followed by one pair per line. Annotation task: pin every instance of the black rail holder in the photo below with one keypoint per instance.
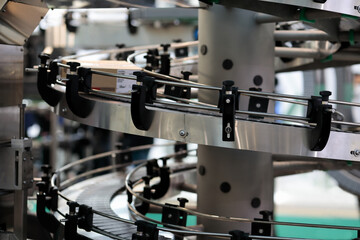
x,y
143,207
46,169
163,186
122,55
78,80
258,104
152,168
85,217
181,52
156,58
174,216
181,147
140,96
179,92
71,221
262,229
45,79
320,112
129,195
47,220
149,62
165,60
52,203
145,231
239,235
228,104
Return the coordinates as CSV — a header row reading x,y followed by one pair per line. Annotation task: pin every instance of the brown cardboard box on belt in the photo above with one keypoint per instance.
x,y
106,83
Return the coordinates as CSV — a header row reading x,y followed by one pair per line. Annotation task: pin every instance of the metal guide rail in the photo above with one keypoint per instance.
x,y
169,112
155,185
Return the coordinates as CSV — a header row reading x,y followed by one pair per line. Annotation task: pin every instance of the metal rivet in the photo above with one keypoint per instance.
x,y
64,110
356,152
183,133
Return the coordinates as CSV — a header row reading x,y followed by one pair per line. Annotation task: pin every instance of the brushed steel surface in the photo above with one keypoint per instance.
x,y
11,68
225,33
18,20
346,6
121,3
206,130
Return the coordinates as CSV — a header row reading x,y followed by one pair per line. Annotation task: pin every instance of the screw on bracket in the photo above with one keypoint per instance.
x,y
356,152
183,133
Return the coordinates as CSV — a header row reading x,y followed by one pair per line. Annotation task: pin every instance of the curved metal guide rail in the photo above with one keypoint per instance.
x,y
204,128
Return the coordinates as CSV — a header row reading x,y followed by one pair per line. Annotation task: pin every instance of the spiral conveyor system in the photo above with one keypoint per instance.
x,y
226,107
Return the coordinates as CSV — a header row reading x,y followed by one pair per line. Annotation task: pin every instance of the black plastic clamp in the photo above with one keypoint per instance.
x,y
141,95
181,147
163,186
129,195
180,92
239,235
71,221
262,229
46,169
258,104
145,231
320,112
122,55
165,60
78,80
85,217
181,52
152,168
46,219
155,63
174,216
143,207
45,79
228,104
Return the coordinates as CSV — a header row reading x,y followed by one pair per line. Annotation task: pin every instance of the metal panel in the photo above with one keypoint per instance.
x,y
250,135
11,68
350,7
18,21
16,165
121,3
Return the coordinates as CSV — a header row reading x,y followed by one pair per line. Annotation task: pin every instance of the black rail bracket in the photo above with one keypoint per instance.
x,y
174,216
258,104
145,231
143,207
143,93
85,216
47,76
228,104
239,235
319,112
79,80
163,186
262,229
179,92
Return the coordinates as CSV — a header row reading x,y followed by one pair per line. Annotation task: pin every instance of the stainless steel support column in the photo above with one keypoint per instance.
x,y
232,182
20,214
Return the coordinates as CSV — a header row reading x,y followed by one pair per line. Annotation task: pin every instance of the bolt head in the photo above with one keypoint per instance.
x,y
183,133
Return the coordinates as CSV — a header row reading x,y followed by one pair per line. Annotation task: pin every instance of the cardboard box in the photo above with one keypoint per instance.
x,y
106,83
